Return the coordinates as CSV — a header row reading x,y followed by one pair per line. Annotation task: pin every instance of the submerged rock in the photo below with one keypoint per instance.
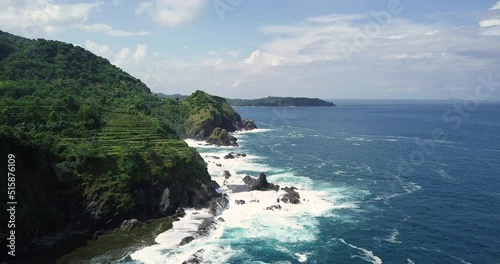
x,y
197,258
186,240
239,201
237,188
206,227
274,207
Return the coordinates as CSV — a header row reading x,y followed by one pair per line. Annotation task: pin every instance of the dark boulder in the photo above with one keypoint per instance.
x,y
218,205
274,207
291,195
260,184
229,156
239,201
206,227
226,174
186,240
197,258
232,155
180,212
245,124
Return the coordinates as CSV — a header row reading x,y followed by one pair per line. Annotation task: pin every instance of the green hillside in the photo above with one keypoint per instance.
x,y
93,146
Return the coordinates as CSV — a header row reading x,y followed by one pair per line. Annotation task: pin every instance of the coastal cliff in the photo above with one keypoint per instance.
x,y
94,147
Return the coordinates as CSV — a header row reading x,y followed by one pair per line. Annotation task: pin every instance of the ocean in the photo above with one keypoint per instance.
x,y
379,181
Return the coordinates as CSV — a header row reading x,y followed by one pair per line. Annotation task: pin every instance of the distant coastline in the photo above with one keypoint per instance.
x,y
268,101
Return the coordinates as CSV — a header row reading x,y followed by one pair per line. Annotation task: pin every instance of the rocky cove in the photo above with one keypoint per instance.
x,y
237,191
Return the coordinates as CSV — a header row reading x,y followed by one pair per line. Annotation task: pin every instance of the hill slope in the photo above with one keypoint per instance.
x,y
93,146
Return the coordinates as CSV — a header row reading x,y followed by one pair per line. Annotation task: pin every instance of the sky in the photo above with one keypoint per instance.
x,y
335,49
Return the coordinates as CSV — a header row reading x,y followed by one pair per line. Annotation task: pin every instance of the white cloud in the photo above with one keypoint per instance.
x,y
334,18
432,33
140,52
233,53
101,50
260,58
108,30
489,23
123,57
496,6
40,17
170,13
121,33
405,56
96,27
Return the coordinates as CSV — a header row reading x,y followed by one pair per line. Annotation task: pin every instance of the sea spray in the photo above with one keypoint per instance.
x,y
257,219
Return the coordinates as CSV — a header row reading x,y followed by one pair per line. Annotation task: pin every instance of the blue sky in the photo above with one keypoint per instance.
x,y
355,49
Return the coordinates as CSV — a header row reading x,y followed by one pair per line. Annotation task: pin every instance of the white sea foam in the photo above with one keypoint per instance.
x,y
393,237
291,225
258,130
410,261
301,257
362,139
367,254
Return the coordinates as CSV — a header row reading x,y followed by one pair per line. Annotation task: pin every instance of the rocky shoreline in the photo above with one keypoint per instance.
x,y
239,184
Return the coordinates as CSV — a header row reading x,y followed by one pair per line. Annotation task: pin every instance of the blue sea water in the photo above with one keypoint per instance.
x,y
376,187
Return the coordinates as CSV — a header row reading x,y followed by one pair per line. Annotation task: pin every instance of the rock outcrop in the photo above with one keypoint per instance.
x,y
218,205
197,258
260,184
232,155
220,137
245,124
130,224
226,174
291,195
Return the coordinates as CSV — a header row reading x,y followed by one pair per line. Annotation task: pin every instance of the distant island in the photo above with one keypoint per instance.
x,y
269,101
280,101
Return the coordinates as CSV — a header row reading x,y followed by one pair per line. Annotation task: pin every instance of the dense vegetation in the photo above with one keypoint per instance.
x,y
93,146
269,101
280,101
